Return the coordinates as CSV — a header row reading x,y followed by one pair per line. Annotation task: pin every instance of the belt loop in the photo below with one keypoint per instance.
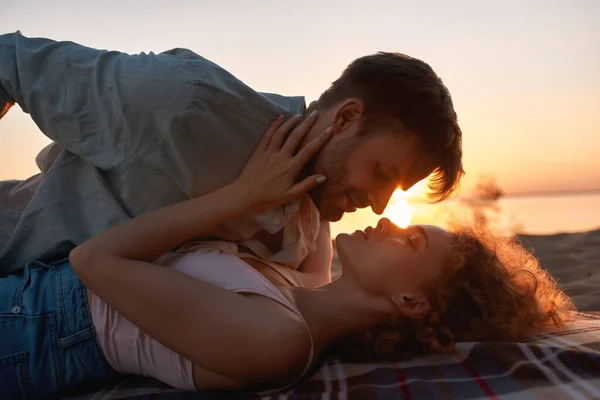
x,y
18,297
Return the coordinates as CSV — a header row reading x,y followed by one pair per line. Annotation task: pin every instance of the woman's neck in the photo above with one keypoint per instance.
x,y
337,309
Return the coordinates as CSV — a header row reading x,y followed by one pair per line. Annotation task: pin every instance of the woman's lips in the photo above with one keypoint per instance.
x,y
362,234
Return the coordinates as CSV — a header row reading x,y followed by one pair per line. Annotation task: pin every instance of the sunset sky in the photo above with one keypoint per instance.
x,y
523,75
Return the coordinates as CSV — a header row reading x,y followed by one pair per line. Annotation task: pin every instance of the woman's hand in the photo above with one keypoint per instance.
x,y
269,178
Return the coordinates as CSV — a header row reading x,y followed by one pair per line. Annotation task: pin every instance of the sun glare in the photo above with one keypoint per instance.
x,y
398,210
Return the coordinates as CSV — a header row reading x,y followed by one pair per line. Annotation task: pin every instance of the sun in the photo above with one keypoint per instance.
x,y
398,210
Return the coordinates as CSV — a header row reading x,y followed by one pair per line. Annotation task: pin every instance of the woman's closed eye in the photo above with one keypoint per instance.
x,y
414,240
417,237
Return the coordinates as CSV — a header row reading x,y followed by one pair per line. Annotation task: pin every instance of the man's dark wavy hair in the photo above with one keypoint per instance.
x,y
395,87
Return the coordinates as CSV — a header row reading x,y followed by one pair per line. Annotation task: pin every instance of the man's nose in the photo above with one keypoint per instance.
x,y
379,199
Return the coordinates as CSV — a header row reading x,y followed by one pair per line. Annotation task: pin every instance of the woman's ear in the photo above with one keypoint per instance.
x,y
412,306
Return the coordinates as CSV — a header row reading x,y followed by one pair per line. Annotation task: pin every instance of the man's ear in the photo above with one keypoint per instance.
x,y
414,306
349,112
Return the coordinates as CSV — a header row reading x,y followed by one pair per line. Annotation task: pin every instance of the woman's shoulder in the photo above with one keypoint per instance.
x,y
278,360
297,332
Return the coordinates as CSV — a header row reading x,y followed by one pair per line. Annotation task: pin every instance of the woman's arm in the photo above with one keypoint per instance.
x,y
229,334
217,329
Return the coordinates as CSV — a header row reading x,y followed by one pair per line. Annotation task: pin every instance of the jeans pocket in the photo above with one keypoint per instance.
x,y
14,375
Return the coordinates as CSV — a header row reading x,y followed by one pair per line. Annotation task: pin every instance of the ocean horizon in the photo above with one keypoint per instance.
x,y
531,214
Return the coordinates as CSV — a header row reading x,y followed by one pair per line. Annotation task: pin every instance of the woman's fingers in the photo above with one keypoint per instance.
x,y
271,172
295,138
282,131
266,139
312,147
304,186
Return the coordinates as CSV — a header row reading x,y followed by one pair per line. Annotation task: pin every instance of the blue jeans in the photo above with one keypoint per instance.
x,y
47,339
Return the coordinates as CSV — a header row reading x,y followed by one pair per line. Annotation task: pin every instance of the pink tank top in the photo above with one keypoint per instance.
x,y
130,351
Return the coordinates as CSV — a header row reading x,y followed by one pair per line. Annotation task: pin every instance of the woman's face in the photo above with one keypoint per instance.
x,y
389,260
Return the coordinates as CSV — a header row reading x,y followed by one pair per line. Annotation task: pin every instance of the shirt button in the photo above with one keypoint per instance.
x,y
277,221
16,309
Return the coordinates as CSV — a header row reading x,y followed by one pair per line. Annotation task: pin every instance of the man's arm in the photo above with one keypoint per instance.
x,y
174,111
317,265
97,104
110,107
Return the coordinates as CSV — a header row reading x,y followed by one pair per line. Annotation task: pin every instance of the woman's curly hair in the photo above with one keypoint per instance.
x,y
492,289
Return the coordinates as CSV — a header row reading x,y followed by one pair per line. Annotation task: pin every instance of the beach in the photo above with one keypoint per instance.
x,y
574,260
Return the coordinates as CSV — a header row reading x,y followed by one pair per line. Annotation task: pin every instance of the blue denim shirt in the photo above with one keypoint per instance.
x,y
131,133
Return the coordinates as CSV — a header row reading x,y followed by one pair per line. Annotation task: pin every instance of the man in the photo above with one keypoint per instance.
x,y
133,133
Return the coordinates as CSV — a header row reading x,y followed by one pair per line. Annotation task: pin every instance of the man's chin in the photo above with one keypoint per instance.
x,y
331,215
326,208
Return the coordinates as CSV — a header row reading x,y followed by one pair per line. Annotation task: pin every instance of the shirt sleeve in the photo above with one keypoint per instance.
x,y
155,119
105,106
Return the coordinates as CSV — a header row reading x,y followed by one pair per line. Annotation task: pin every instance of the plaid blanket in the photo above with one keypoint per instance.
x,y
561,365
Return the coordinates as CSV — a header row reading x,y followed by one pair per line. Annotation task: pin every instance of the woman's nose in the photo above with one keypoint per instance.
x,y
383,225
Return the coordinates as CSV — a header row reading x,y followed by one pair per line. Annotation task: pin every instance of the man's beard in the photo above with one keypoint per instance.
x,y
321,196
334,165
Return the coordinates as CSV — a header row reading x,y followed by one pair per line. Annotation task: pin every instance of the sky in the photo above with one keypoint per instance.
x,y
523,74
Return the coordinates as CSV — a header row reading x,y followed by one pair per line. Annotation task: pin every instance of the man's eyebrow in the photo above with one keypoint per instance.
x,y
404,182
424,232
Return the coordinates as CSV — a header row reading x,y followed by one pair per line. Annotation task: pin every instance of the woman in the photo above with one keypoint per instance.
x,y
208,320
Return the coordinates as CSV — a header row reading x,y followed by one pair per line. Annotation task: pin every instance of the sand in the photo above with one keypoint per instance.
x,y
572,258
